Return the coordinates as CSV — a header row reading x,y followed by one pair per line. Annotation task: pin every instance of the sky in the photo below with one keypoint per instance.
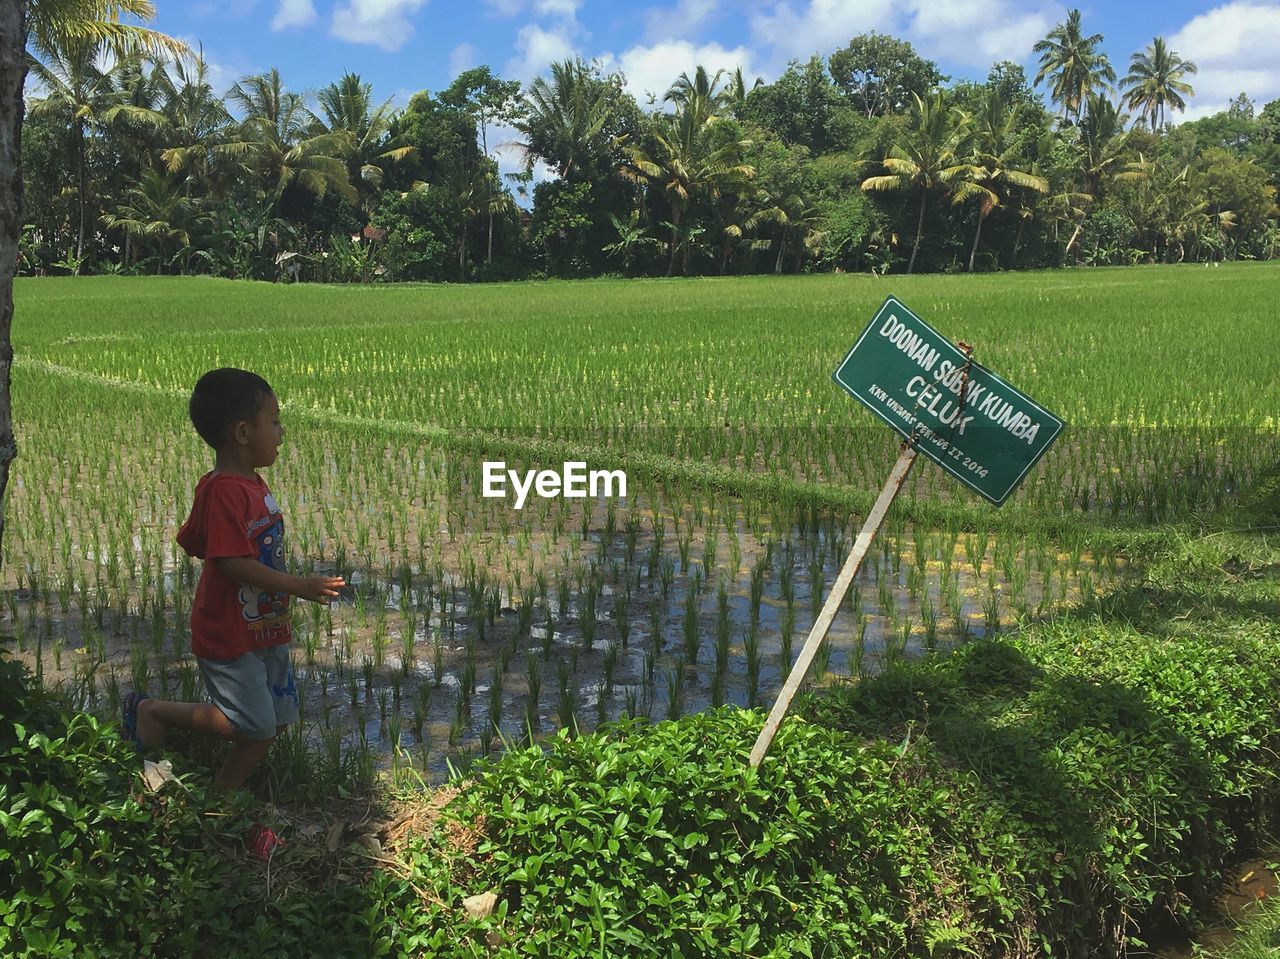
x,y
402,46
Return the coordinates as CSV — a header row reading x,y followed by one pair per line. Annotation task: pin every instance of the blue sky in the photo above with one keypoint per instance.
x,y
403,46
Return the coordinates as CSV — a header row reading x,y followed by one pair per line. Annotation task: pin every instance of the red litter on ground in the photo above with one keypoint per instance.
x,y
262,841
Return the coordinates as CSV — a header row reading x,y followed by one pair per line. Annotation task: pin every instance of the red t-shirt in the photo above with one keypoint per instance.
x,y
234,516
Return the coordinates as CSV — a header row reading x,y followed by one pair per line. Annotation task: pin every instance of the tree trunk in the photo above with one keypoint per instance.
x,y
78,127
1017,242
915,247
675,225
1074,236
462,255
13,72
488,257
973,251
782,248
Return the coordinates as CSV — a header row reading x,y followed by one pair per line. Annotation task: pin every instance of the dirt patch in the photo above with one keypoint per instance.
x,y
1247,884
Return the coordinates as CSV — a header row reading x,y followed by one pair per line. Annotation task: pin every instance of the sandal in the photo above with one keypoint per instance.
x,y
129,712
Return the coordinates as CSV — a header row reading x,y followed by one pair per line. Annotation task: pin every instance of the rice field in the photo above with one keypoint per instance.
x,y
468,621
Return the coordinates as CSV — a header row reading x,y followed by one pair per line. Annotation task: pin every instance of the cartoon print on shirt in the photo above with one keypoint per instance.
x,y
260,608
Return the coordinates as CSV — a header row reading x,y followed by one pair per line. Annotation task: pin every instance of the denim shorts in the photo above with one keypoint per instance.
x,y
256,690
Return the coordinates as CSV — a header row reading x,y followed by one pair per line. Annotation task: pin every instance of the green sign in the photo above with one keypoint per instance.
x,y
962,416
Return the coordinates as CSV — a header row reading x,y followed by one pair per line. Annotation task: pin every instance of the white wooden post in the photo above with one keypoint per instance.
x,y
822,624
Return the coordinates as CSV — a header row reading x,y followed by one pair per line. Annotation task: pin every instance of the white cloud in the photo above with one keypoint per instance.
x,y
1234,46
293,13
222,9
383,23
557,8
680,22
461,57
821,26
963,33
652,69
536,49
542,8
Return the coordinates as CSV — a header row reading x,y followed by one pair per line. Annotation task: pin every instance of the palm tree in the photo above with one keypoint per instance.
x,y
930,159
699,94
1061,202
50,22
689,162
996,161
798,222
471,188
1155,82
276,142
566,117
735,93
349,113
196,120
1102,145
156,210
87,96
78,89
1073,65
1102,136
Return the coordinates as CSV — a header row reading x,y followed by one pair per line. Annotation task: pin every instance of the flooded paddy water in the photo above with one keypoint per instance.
x,y
492,625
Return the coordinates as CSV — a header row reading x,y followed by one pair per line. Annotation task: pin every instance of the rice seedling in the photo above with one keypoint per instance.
x,y
722,629
566,697
692,634
821,661
533,686
751,645
674,677
786,638
421,710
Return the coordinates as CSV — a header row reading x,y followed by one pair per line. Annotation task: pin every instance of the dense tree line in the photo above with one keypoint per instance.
x,y
870,159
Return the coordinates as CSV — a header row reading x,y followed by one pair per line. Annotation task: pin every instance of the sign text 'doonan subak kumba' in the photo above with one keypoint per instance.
x,y
960,414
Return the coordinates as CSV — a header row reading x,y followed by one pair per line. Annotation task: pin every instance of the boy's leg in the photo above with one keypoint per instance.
x,y
243,712
156,716
241,762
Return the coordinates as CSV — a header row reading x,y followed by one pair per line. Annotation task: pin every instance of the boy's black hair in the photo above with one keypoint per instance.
x,y
223,398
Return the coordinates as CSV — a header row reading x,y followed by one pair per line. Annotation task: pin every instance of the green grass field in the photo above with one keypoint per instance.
x,y
1076,785
748,468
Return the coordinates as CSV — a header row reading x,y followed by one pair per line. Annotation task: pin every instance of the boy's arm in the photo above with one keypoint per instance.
x,y
251,572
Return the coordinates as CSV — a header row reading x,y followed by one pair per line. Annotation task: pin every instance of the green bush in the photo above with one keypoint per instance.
x,y
1129,764
663,842
93,866
87,867
1061,793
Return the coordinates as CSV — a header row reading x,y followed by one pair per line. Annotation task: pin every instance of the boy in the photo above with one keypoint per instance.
x,y
240,628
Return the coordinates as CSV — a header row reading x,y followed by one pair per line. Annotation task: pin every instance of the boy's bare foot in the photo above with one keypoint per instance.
x,y
150,729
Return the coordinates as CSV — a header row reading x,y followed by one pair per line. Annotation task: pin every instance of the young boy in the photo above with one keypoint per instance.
x,y
240,628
